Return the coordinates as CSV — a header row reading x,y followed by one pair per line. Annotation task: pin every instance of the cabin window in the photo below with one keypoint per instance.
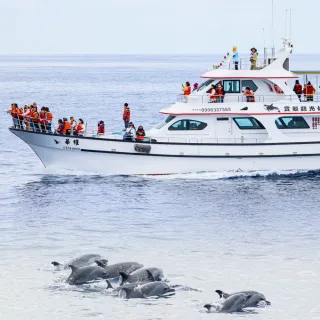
x,y
164,122
291,123
187,125
250,84
205,84
244,123
231,86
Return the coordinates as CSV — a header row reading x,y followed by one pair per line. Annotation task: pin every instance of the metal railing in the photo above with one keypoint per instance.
x,y
234,98
20,124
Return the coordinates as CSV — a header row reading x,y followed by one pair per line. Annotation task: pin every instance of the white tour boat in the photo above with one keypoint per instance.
x,y
276,132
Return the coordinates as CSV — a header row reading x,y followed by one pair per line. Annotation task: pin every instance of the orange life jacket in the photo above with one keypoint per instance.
x,y
101,128
35,117
249,94
13,112
220,92
213,94
79,128
126,114
298,88
309,90
187,92
43,117
49,116
19,113
66,127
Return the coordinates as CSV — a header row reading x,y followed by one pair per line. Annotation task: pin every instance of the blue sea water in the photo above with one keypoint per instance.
x,y
206,231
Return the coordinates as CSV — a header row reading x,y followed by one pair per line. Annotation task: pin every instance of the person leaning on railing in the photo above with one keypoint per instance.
x,y
186,89
80,129
249,94
220,92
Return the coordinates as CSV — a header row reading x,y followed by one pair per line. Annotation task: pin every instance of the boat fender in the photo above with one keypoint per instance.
x,y
145,148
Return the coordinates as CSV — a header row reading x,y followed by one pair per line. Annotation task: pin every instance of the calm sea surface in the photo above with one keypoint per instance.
x,y
206,231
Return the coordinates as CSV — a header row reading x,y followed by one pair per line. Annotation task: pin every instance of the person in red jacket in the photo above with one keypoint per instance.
x,y
298,89
309,91
101,128
126,115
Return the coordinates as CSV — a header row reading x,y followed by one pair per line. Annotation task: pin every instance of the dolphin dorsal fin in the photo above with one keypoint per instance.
x,y
56,264
124,277
73,268
222,294
109,284
150,276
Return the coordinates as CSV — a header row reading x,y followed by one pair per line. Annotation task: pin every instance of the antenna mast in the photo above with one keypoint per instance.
x,y
290,32
272,31
285,26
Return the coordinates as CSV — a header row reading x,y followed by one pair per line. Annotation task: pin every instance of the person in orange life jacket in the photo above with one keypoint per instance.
x,y
27,116
140,134
66,126
14,115
130,132
19,117
249,94
43,119
213,94
126,116
49,119
186,89
35,123
80,130
309,91
60,127
298,89
100,128
220,93
73,124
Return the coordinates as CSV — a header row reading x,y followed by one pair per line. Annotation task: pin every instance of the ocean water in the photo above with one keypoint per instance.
x,y
207,231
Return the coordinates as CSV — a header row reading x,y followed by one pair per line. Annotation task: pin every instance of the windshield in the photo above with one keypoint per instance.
x,y
164,122
205,84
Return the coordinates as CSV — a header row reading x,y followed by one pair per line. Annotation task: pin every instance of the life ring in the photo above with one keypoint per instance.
x,y
145,148
277,89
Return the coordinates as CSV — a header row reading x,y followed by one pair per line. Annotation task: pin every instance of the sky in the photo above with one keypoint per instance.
x,y
153,27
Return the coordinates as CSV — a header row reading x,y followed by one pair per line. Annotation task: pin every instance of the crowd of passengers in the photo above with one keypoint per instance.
x,y
29,118
217,92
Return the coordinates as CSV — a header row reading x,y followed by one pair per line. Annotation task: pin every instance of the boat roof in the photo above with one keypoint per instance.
x,y
306,72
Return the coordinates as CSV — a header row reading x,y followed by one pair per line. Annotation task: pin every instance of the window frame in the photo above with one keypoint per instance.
x,y
254,90
249,118
285,126
230,92
187,125
161,124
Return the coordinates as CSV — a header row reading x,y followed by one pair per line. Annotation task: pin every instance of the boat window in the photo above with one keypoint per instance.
x,y
291,123
164,122
244,123
205,84
231,86
250,84
187,125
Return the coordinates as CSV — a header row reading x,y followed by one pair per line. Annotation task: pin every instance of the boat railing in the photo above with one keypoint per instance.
x,y
21,124
233,98
244,64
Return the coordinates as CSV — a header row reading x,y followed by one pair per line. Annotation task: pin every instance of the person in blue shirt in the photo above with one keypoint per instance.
x,y
235,57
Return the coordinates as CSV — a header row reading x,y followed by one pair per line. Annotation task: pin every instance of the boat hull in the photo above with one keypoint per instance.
x,y
117,157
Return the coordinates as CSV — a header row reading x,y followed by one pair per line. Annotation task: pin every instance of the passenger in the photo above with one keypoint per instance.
x,y
27,113
43,119
49,119
130,133
220,93
309,91
35,119
73,124
140,134
253,58
249,94
60,127
298,89
101,128
126,116
195,87
81,129
66,127
213,94
14,115
186,89
235,57
19,113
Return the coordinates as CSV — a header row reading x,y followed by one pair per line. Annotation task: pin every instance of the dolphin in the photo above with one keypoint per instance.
x,y
131,285
234,303
254,301
113,270
142,274
85,274
81,261
151,289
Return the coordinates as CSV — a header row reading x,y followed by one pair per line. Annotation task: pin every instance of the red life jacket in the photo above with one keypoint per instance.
x,y
43,117
220,92
101,128
309,90
126,114
187,92
19,113
80,128
35,117
213,94
66,127
298,88
49,116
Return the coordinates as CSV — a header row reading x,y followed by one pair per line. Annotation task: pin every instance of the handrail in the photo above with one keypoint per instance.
x,y
234,98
